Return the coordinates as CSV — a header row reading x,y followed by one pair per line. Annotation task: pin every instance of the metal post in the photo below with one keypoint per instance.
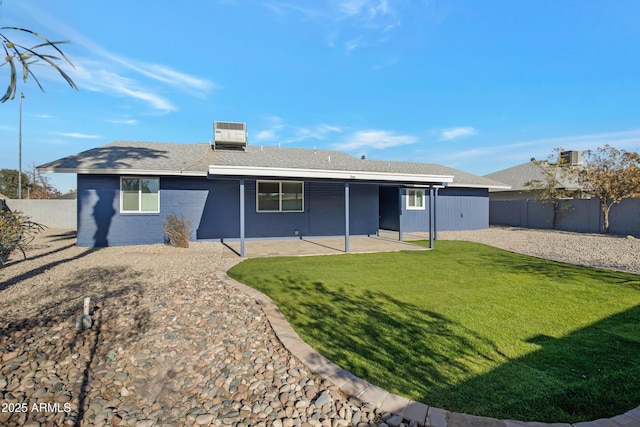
x,y
435,214
400,207
20,150
346,217
431,218
242,218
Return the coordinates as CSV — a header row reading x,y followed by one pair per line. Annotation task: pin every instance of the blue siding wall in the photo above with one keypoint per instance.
x,y
213,208
456,209
220,217
462,209
323,212
100,222
414,219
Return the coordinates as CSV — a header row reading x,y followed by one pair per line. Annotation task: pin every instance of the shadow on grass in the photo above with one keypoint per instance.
x,y
590,373
393,344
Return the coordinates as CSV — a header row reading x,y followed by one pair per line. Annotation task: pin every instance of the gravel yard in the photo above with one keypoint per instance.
x,y
172,345
591,250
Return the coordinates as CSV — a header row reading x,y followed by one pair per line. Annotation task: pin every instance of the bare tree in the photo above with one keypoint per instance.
x,y
552,187
19,56
39,186
611,175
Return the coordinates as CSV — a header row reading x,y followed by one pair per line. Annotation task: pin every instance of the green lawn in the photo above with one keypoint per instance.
x,y
468,327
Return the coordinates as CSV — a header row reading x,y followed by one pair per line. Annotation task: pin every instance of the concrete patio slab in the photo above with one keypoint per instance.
x,y
317,246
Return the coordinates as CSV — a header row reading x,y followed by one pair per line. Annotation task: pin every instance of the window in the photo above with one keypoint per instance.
x,y
280,196
415,199
140,195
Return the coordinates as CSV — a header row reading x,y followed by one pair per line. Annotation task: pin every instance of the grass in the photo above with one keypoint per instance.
x,y
468,327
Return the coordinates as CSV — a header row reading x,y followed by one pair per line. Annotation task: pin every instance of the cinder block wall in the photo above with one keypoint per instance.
x,y
52,213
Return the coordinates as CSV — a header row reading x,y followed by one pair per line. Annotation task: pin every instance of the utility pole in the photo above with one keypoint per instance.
x,y
20,150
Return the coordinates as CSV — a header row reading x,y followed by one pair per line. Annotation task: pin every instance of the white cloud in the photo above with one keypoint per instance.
x,y
107,72
320,132
454,133
170,77
486,159
78,135
354,44
379,139
265,135
123,122
91,75
370,12
541,148
285,133
357,22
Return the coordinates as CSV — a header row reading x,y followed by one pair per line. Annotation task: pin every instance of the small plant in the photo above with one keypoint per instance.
x,y
178,230
16,232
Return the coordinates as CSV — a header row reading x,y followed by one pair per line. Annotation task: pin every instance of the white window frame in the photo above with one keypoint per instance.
x,y
280,210
139,211
411,194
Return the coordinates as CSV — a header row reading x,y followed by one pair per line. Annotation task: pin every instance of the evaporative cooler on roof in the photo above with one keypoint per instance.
x,y
573,158
229,135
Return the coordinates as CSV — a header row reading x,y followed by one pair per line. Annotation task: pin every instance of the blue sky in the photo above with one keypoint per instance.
x,y
475,85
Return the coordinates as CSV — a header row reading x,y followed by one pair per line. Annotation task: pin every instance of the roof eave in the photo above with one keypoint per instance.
x,y
347,175
488,186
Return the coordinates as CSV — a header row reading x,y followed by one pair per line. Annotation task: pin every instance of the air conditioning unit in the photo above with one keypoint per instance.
x,y
572,158
229,135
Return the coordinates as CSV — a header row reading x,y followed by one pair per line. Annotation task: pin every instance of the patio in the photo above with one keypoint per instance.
x,y
318,246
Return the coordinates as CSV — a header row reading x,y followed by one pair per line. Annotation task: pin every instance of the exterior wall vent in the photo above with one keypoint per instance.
x,y
229,135
572,158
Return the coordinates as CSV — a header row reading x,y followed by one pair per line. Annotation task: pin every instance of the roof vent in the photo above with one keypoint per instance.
x,y
572,158
229,135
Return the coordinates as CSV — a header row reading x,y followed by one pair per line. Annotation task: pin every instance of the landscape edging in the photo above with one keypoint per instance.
x,y
362,390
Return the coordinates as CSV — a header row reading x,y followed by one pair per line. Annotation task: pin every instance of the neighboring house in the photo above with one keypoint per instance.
x,y
518,176
126,189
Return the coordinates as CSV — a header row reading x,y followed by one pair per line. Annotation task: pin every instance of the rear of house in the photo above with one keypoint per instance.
x,y
127,189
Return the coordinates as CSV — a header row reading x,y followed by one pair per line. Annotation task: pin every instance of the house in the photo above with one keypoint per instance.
x,y
126,189
517,177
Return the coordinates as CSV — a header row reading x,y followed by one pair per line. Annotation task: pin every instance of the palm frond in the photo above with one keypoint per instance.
x,y
29,56
11,90
47,42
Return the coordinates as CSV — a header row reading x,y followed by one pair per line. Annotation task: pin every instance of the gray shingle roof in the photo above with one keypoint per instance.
x,y
140,156
195,159
518,176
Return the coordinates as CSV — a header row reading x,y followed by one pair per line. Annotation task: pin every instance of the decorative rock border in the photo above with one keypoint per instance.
x,y
409,410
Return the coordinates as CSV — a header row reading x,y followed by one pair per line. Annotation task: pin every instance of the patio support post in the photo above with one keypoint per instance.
x,y
242,218
431,217
400,207
435,215
346,217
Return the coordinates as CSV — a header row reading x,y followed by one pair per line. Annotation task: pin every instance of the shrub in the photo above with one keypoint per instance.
x,y
16,232
177,230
